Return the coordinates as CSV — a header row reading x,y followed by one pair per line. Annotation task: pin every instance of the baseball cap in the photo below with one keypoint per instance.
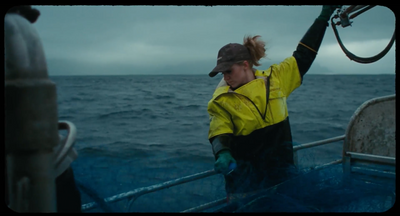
x,y
229,55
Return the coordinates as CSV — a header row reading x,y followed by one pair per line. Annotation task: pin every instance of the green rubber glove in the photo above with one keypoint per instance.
x,y
224,160
327,11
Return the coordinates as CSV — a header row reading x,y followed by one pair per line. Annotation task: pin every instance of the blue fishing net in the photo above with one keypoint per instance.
x,y
325,190
321,190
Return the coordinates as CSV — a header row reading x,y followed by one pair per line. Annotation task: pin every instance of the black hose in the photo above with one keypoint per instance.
x,y
361,11
363,60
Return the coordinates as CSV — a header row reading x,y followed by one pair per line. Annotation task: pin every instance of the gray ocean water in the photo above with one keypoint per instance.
x,y
136,131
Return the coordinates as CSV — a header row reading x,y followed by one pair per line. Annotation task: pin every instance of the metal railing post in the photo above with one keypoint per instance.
x,y
31,124
318,143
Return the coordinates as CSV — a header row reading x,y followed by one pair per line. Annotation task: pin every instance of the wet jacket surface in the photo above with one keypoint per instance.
x,y
252,121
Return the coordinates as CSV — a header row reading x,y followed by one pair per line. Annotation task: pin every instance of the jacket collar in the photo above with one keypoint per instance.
x,y
223,87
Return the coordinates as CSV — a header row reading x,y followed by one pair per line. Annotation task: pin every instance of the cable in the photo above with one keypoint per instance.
x,y
363,60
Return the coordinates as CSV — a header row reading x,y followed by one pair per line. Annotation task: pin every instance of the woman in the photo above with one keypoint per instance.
x,y
249,124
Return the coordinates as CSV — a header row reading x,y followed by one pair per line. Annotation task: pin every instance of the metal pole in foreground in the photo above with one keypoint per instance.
x,y
31,122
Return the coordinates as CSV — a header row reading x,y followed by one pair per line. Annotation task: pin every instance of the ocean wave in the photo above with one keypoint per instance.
x,y
189,107
132,113
158,146
147,92
62,117
78,98
115,150
114,113
128,99
193,152
191,157
159,97
322,127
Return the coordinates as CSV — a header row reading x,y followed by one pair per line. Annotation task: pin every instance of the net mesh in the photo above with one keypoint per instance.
x,y
324,190
313,190
127,177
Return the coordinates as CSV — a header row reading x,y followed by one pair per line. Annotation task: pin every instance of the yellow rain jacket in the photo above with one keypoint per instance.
x,y
253,106
255,115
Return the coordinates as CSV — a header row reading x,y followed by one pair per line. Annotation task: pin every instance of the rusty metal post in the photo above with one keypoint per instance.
x,y
31,121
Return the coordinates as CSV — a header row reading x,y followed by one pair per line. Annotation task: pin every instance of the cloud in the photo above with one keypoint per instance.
x,y
139,54
333,57
155,37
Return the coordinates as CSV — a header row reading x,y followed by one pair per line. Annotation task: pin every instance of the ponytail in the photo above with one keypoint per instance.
x,y
256,48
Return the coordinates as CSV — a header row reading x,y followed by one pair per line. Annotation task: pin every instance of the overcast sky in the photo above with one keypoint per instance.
x,y
117,40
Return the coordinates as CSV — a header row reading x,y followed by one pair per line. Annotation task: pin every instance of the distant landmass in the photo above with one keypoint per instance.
x,y
65,67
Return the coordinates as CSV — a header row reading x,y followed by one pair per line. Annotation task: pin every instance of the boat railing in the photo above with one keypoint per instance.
x,y
134,194
369,165
369,149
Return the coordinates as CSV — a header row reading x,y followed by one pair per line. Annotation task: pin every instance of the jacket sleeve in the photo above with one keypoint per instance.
x,y
221,142
309,45
288,75
221,127
220,120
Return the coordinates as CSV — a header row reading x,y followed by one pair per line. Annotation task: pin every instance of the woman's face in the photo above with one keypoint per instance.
x,y
237,75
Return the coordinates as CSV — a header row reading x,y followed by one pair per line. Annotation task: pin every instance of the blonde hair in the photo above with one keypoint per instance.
x,y
256,47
